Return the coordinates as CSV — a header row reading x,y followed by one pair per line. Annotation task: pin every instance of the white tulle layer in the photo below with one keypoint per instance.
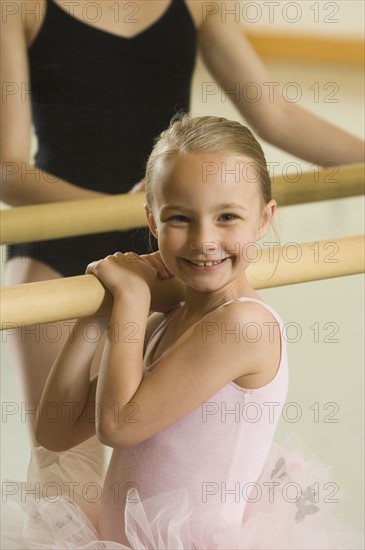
x,y
292,506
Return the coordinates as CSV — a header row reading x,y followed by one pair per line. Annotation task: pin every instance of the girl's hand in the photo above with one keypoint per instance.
x,y
163,273
128,271
157,263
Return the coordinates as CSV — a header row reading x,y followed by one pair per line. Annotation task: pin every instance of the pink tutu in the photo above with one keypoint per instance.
x,y
291,506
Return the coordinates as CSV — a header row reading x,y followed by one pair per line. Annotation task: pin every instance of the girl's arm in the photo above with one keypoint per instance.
x,y
66,413
234,63
136,407
129,278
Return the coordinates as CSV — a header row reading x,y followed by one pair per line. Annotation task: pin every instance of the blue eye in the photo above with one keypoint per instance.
x,y
179,218
228,217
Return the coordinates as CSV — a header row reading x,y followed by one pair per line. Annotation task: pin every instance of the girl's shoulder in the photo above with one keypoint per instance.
x,y
245,335
253,331
248,309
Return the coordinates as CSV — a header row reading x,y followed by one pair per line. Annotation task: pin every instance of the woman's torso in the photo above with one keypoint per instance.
x,y
100,98
120,17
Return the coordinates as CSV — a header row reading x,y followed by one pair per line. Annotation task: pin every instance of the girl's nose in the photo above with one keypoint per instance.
x,y
203,240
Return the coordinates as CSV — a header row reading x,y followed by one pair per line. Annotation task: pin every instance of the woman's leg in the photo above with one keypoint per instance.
x,y
33,349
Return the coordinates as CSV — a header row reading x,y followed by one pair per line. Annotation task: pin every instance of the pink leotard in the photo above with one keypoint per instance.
x,y
216,452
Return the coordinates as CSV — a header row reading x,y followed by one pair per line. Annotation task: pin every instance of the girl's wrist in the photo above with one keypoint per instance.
x,y
133,291
137,300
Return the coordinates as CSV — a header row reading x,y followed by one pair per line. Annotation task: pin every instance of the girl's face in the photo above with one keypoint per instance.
x,y
207,214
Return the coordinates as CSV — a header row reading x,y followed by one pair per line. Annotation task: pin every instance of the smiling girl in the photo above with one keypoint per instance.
x,y
202,228
191,401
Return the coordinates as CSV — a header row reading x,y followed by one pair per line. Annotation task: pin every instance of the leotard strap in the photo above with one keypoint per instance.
x,y
159,331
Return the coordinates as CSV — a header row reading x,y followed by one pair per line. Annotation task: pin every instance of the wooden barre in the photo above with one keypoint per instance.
x,y
313,49
121,212
74,297
335,182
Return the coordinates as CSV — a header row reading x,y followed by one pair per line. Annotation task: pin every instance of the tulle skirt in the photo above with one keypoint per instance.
x,y
291,506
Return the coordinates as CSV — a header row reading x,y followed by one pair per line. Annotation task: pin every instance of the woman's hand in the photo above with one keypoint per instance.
x,y
138,187
130,271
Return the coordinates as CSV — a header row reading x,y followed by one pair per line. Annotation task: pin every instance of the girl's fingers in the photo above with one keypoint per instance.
x,y
163,271
90,268
125,257
153,260
156,262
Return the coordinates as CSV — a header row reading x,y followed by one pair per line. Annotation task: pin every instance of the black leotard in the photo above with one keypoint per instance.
x,y
98,102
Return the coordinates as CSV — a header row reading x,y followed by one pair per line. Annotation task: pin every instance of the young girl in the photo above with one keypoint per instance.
x,y
189,400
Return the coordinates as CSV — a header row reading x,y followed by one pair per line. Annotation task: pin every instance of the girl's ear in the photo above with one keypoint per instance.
x,y
151,221
266,218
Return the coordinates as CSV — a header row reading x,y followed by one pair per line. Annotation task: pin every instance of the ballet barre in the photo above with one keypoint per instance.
x,y
121,212
84,295
313,49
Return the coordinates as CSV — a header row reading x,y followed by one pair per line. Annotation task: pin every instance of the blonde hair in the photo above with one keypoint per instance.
x,y
188,135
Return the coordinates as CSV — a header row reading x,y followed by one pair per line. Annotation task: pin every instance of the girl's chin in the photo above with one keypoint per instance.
x,y
205,286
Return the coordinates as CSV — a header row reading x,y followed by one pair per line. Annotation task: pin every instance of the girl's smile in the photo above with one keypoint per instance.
x,y
205,265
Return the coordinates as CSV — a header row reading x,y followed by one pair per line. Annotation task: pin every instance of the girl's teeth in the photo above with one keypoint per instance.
x,y
206,264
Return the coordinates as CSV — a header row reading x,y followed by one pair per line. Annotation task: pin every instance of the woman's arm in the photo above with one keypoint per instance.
x,y
66,414
21,183
234,63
